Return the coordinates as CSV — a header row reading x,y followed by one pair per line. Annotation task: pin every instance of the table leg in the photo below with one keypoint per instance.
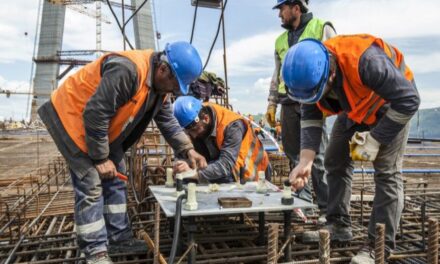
x,y
287,234
261,229
192,228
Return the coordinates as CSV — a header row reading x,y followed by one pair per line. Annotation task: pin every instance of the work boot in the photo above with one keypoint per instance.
x,y
337,233
99,258
131,245
364,256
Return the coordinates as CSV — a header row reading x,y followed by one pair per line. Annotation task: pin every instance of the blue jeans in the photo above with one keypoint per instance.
x,y
100,211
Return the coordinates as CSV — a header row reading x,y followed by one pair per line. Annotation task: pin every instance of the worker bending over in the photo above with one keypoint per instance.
x,y
96,115
366,82
224,138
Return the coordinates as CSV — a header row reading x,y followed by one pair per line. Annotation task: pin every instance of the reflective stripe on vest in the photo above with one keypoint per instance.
x,y
70,99
314,29
251,155
364,103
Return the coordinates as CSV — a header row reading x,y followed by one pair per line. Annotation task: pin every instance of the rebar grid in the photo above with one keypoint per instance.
x,y
272,243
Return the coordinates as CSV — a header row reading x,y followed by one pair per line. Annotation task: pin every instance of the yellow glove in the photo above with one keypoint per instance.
x,y
270,115
363,147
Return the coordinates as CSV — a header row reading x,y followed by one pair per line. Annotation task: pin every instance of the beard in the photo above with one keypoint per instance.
x,y
288,24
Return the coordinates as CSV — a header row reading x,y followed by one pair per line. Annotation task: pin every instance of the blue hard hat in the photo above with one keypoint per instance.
x,y
305,71
280,2
186,110
185,63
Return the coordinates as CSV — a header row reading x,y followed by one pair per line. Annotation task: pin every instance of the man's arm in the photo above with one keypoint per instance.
x,y
118,84
378,72
171,130
274,83
229,151
312,122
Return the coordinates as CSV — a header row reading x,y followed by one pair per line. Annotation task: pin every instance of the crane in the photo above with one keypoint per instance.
x,y
80,7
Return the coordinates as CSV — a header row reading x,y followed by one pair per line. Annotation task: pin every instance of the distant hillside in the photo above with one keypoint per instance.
x,y
426,124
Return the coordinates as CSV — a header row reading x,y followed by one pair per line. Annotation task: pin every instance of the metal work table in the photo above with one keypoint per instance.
x,y
208,205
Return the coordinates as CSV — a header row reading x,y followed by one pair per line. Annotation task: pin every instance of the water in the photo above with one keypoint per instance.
x,y
14,107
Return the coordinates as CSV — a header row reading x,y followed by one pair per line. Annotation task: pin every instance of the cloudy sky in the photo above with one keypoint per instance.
x,y
251,29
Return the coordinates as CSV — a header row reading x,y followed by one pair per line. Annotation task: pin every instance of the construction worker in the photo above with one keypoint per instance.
x,y
224,138
96,115
299,24
366,82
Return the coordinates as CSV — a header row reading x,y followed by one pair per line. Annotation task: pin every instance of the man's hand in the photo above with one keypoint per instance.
x,y
363,147
270,115
181,166
196,161
106,170
299,176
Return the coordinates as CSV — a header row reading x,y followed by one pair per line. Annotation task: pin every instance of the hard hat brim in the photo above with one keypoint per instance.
x,y
277,6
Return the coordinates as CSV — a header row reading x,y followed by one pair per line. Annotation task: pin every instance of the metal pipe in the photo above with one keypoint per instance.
x,y
150,244
379,245
272,243
324,246
433,241
156,234
406,171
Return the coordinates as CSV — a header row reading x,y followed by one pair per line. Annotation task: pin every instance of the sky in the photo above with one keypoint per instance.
x,y
251,29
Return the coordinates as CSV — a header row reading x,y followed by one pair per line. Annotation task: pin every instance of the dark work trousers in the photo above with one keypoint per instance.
x,y
100,211
291,139
388,199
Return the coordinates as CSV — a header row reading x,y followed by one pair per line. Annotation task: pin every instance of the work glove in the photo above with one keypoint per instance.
x,y
270,115
363,147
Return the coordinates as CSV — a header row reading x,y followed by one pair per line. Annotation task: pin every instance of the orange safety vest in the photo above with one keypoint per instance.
x,y
70,99
364,102
252,155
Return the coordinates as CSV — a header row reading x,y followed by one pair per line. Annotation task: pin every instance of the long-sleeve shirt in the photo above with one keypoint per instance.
x,y
379,73
221,160
293,37
118,84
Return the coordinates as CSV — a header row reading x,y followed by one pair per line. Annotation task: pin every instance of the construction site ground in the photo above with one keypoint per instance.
x,y
36,211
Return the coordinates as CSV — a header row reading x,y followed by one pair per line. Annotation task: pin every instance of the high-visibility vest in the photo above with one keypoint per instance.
x,y
252,156
70,99
314,29
363,101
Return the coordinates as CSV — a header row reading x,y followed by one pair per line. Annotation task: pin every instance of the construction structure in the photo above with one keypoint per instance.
x,y
37,226
50,56
37,197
